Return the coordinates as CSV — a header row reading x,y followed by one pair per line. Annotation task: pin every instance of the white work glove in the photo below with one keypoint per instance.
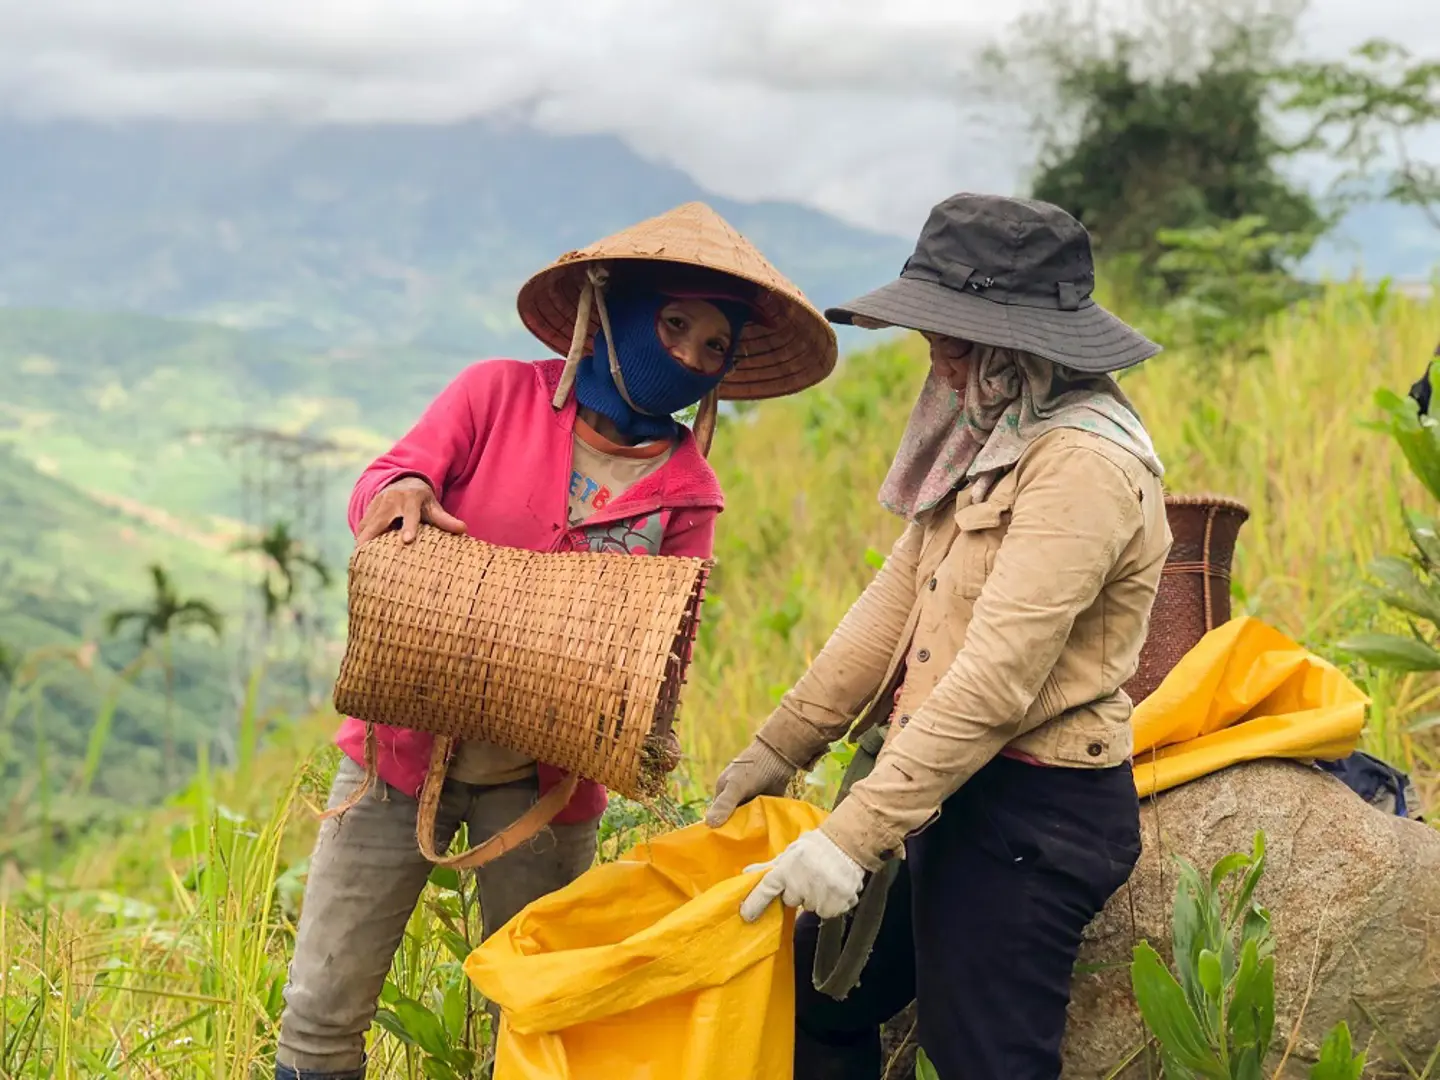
x,y
756,770
812,873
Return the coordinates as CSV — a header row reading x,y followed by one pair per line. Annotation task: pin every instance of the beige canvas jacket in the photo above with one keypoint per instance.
x,y
1012,622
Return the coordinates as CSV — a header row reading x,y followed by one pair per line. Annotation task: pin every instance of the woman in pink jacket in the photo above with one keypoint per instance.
x,y
580,454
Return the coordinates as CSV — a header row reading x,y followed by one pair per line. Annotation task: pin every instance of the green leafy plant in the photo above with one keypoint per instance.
x,y
924,1070
1213,1016
1228,278
1408,585
1338,1061
438,1030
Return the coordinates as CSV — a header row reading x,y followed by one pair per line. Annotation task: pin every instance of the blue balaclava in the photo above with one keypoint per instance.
x,y
658,384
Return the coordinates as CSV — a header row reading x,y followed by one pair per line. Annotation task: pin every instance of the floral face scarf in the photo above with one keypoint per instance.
x,y
1011,399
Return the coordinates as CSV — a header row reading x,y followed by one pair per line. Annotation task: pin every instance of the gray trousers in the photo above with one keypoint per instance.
x,y
366,876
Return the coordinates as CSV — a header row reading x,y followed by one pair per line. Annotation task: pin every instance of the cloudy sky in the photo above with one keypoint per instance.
x,y
871,109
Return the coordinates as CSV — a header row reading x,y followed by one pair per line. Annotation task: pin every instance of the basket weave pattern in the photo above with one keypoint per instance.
x,y
574,659
1194,593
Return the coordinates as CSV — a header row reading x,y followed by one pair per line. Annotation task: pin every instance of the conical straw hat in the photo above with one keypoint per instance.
x,y
789,348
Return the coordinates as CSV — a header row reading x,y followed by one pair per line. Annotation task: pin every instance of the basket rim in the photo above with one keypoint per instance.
x,y
1223,502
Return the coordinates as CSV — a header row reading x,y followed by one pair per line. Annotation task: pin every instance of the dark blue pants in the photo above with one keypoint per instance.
x,y
982,928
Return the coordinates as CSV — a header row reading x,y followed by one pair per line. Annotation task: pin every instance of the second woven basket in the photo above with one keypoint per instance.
x,y
1194,593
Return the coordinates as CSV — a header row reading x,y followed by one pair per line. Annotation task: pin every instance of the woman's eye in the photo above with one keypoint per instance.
x,y
717,346
675,322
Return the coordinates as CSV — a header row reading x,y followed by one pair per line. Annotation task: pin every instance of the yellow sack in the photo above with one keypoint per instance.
x,y
1245,691
642,969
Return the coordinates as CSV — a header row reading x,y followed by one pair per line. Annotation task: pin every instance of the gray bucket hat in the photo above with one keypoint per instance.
x,y
1013,273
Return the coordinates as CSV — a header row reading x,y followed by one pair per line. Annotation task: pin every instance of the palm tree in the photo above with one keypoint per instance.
x,y
285,558
166,615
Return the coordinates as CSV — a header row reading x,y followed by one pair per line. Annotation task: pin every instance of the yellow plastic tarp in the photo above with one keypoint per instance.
x,y
642,969
1245,691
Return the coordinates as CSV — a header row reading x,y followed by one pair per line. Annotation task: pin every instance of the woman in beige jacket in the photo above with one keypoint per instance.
x,y
990,649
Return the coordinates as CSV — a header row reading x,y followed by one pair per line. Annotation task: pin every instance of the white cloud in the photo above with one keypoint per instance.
x,y
869,110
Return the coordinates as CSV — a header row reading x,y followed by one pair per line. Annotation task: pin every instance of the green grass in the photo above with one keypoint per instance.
x,y
126,960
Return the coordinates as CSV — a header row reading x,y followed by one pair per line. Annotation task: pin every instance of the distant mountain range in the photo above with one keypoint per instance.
x,y
402,234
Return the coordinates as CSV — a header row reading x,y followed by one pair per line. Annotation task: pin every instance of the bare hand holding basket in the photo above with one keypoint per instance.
x,y
411,501
574,659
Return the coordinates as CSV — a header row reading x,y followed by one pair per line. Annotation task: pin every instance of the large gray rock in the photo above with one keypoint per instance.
x,y
1354,895
1353,892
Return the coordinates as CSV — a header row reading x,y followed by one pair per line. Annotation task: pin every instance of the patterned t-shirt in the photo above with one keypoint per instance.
x,y
602,471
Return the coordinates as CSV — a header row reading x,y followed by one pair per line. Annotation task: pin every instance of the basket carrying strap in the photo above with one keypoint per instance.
x,y
523,829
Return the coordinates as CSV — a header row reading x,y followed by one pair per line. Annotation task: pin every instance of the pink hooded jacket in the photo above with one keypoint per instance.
x,y
498,455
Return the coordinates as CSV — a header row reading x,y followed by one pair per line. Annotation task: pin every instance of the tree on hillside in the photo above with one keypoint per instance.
x,y
1156,119
286,561
166,615
1364,111
286,558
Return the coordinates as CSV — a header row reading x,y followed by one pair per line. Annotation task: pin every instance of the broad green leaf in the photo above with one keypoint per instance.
x,y
463,1060
1400,586
455,945
1244,897
1337,1059
923,1069
1391,652
1251,1010
1425,535
436,1069
1189,934
1208,969
454,1009
443,877
1227,866
425,1028
1246,1065
392,1023
1417,436
1168,1015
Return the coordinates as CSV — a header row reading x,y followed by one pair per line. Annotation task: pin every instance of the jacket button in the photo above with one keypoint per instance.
x,y
904,719
931,586
923,655
1095,749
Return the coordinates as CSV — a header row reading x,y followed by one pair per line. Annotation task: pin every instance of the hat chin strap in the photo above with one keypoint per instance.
x,y
592,294
705,421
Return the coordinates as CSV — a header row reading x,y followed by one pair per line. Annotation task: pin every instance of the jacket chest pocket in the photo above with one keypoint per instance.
x,y
981,529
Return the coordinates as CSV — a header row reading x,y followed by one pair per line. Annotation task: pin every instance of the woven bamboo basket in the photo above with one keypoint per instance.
x,y
1194,593
573,659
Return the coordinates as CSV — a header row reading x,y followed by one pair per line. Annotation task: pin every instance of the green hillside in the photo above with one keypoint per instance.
x,y
112,403
101,475
65,561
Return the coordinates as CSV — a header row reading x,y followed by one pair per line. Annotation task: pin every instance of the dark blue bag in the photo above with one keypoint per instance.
x,y
1381,785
